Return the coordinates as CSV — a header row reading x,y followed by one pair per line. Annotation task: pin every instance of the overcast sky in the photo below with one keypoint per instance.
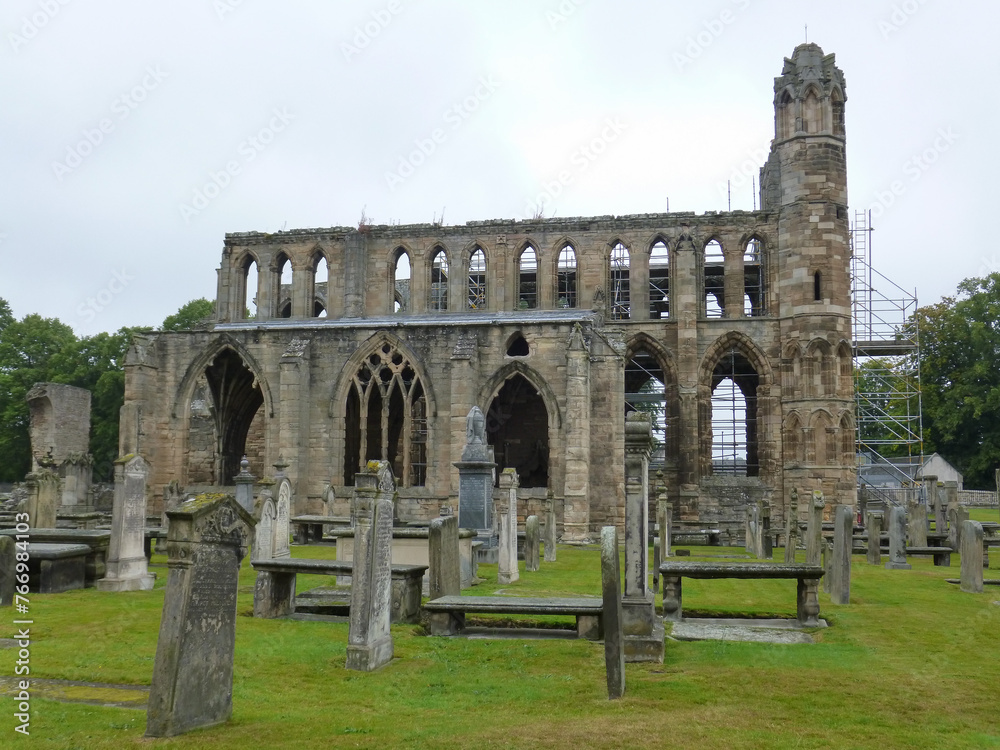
x,y
134,135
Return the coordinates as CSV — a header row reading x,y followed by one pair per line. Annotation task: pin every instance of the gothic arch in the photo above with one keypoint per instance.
x,y
792,438
746,346
492,387
197,367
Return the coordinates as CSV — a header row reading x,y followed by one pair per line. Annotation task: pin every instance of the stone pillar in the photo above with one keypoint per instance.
x,y
843,538
934,502
475,482
550,528
126,568
576,489
664,518
244,486
873,525
643,629
814,528
916,523
972,557
611,593
897,539
531,544
192,684
507,571
750,530
43,498
369,640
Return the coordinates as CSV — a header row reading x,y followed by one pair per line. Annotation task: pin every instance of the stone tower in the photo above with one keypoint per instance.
x,y
805,182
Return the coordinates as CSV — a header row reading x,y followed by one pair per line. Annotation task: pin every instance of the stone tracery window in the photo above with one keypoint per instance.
x,y
659,280
715,278
439,280
753,279
477,279
566,277
620,303
386,418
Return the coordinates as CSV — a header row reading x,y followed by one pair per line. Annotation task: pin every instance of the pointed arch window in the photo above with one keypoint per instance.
x,y
439,281
477,279
283,276
321,283
566,277
400,280
659,280
619,278
527,279
734,416
645,391
753,279
715,280
248,292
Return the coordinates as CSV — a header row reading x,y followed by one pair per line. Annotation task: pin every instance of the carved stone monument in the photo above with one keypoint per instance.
x,y
192,684
127,569
897,539
814,528
792,527
916,523
873,525
507,571
840,567
263,542
43,497
244,486
972,557
550,528
282,518
532,545
476,472
611,593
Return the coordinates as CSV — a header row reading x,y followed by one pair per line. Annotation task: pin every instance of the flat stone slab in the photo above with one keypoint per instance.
x,y
44,551
74,691
516,605
740,570
738,630
986,581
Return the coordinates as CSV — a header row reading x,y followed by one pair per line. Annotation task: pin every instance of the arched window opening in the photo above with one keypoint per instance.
x,y
715,280
321,283
237,398
793,440
786,116
734,416
517,426
401,281
477,280
817,287
619,278
527,279
284,273
837,102
250,282
386,418
566,277
517,346
812,114
645,391
439,281
659,281
753,279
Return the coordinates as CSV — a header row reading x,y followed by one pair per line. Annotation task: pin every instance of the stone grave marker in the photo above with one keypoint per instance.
x,y
173,496
507,571
445,565
43,498
263,542
244,486
972,557
550,528
476,472
897,539
611,593
873,525
282,519
792,528
916,523
827,558
843,540
369,640
126,566
764,543
532,542
192,684
814,528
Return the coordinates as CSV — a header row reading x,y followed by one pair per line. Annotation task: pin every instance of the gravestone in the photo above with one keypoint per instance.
x,y
972,557
532,543
476,472
507,571
126,567
445,565
792,528
916,523
550,528
263,542
957,515
873,525
43,498
282,519
173,496
897,539
611,594
934,505
244,486
192,684
8,566
843,540
814,528
764,542
369,641
827,558
643,629
750,530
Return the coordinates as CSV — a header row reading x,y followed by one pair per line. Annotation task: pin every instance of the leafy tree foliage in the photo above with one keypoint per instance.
x,y
190,316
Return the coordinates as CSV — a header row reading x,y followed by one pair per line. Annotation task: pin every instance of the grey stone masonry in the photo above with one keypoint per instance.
x,y
957,515
873,526
263,544
507,571
244,486
369,640
814,529
126,567
192,683
550,532
897,539
972,557
611,593
43,498
916,526
934,504
840,569
531,544
791,528
751,530
445,566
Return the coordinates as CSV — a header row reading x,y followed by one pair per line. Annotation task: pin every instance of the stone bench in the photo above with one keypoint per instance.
x,y
808,577
309,529
274,592
942,555
54,568
447,613
98,542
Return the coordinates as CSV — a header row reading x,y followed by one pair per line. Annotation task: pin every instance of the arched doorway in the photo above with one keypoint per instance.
x,y
517,426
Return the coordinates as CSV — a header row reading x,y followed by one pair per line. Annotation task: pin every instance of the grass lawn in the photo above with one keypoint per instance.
x,y
910,663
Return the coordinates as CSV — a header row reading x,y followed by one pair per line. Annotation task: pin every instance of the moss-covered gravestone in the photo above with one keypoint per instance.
x,y
192,683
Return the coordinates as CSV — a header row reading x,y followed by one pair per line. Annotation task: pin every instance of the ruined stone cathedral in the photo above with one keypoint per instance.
x,y
731,329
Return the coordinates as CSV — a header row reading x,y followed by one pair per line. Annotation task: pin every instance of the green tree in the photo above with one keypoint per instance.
x,y
192,315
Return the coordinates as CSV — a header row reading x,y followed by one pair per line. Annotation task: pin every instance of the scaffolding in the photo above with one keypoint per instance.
x,y
889,428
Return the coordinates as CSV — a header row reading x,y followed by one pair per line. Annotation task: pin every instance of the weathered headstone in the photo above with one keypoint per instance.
x,y
192,682
43,498
934,506
873,525
282,519
263,543
611,593
897,539
792,528
664,518
972,557
444,572
126,570
476,471
957,515
843,538
244,486
916,523
827,558
507,571
814,528
643,629
550,528
532,541
765,544
8,566
369,640
750,530
173,496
